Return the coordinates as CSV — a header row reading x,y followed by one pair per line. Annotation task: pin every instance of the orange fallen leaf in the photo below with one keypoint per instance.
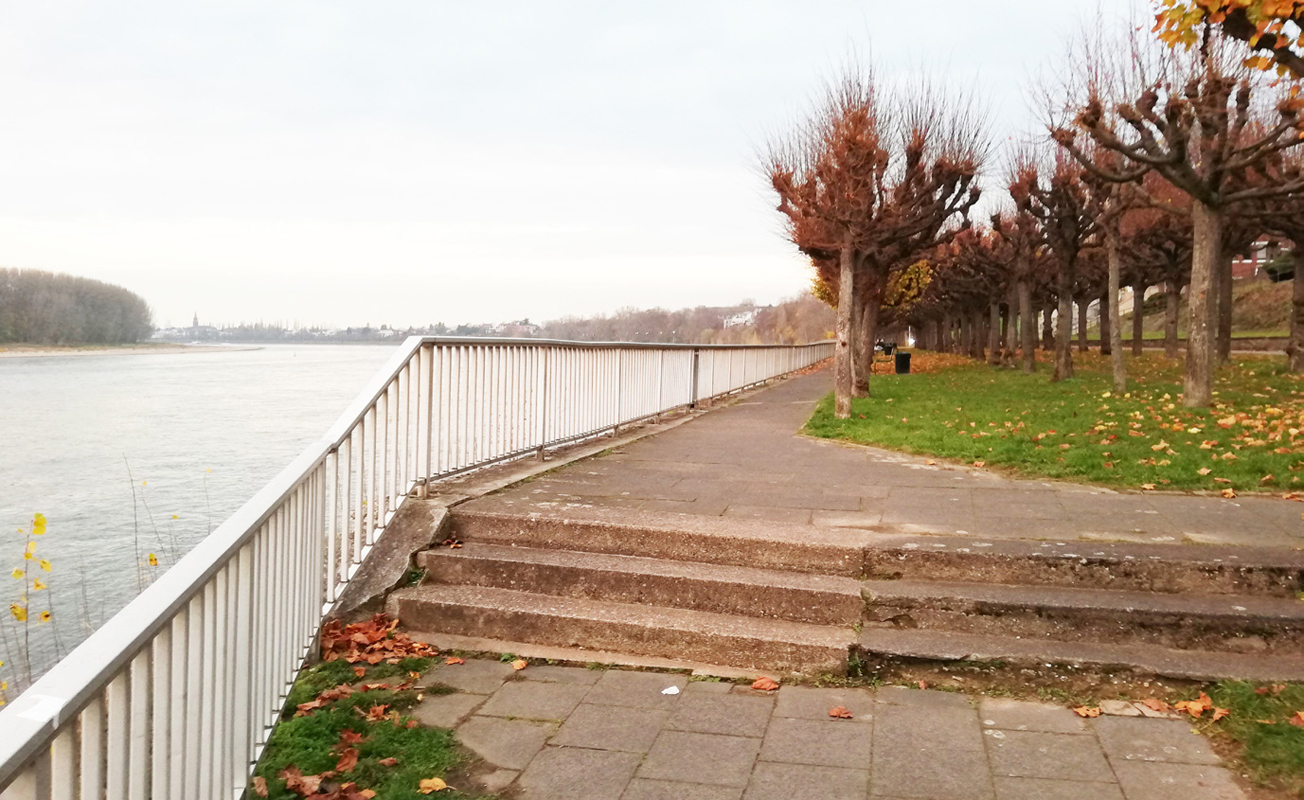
x,y
348,760
387,762
980,463
1086,711
1269,478
1219,713
1155,704
454,660
350,737
259,784
520,664
376,713
922,684
1274,690
361,672
297,782
432,785
1204,470
764,684
1149,487
1297,720
1195,707
367,793
838,712
1229,493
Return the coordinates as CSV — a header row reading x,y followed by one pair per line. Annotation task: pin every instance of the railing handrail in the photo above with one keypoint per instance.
x,y
31,721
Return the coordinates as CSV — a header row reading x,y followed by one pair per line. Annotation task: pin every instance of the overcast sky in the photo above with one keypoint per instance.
x,y
416,162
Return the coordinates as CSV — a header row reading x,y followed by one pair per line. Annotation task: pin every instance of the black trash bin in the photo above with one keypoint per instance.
x,y
902,362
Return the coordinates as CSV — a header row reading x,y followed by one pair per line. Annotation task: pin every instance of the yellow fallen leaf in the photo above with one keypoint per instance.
x,y
1204,470
1149,487
1229,493
1086,711
432,785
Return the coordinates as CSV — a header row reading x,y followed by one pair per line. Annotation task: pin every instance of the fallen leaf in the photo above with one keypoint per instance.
x,y
1155,704
1086,711
348,760
1149,487
259,784
453,661
1219,713
922,684
1204,470
838,712
367,793
1195,707
1274,690
980,463
376,713
1266,479
432,785
1229,493
1222,480
387,762
350,737
764,684
361,672
520,664
297,782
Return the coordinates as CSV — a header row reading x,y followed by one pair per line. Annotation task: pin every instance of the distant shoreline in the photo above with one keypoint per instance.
x,y
50,351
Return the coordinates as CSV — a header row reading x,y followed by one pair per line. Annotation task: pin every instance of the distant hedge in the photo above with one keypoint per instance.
x,y
44,308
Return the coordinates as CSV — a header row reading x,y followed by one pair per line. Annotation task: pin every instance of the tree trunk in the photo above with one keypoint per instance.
x,y
843,374
862,346
1064,326
1028,327
871,334
1111,311
1138,318
1011,348
1106,347
1201,330
976,345
994,333
1295,350
1047,330
1084,305
1172,302
1224,310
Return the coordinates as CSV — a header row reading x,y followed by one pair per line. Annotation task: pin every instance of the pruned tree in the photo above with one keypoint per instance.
x,y
875,196
1202,123
1022,236
1062,205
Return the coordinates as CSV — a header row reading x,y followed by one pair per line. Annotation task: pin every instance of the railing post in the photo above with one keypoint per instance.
x,y
543,406
692,392
620,388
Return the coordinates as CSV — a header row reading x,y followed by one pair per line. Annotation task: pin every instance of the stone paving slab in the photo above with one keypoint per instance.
x,y
748,461
548,733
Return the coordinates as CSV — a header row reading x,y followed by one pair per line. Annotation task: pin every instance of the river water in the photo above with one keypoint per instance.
x,y
133,455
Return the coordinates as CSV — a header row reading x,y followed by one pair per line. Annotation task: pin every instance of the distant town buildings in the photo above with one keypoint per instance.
x,y
1251,265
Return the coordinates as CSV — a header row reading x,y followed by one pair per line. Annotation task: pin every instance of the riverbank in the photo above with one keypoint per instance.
x,y
52,351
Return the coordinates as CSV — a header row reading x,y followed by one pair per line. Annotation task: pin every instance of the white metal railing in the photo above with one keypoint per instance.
x,y
175,696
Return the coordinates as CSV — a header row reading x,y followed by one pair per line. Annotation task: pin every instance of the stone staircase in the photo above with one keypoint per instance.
x,y
799,598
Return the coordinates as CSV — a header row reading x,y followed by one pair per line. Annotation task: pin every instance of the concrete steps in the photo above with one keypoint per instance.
x,y
1220,623
765,596
721,589
732,640
874,645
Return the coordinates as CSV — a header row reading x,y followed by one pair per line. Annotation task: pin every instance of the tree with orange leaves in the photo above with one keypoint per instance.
x,y
1273,30
870,185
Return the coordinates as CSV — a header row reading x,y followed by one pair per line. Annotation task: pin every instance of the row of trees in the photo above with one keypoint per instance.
x,y
798,320
46,308
1159,166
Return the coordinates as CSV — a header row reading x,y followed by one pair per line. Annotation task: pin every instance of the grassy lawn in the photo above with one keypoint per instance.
x,y
956,408
362,738
1269,748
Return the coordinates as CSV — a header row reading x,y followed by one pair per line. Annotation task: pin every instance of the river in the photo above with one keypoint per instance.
x,y
133,455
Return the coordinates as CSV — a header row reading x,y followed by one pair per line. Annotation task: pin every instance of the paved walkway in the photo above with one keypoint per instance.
x,y
570,733
748,460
